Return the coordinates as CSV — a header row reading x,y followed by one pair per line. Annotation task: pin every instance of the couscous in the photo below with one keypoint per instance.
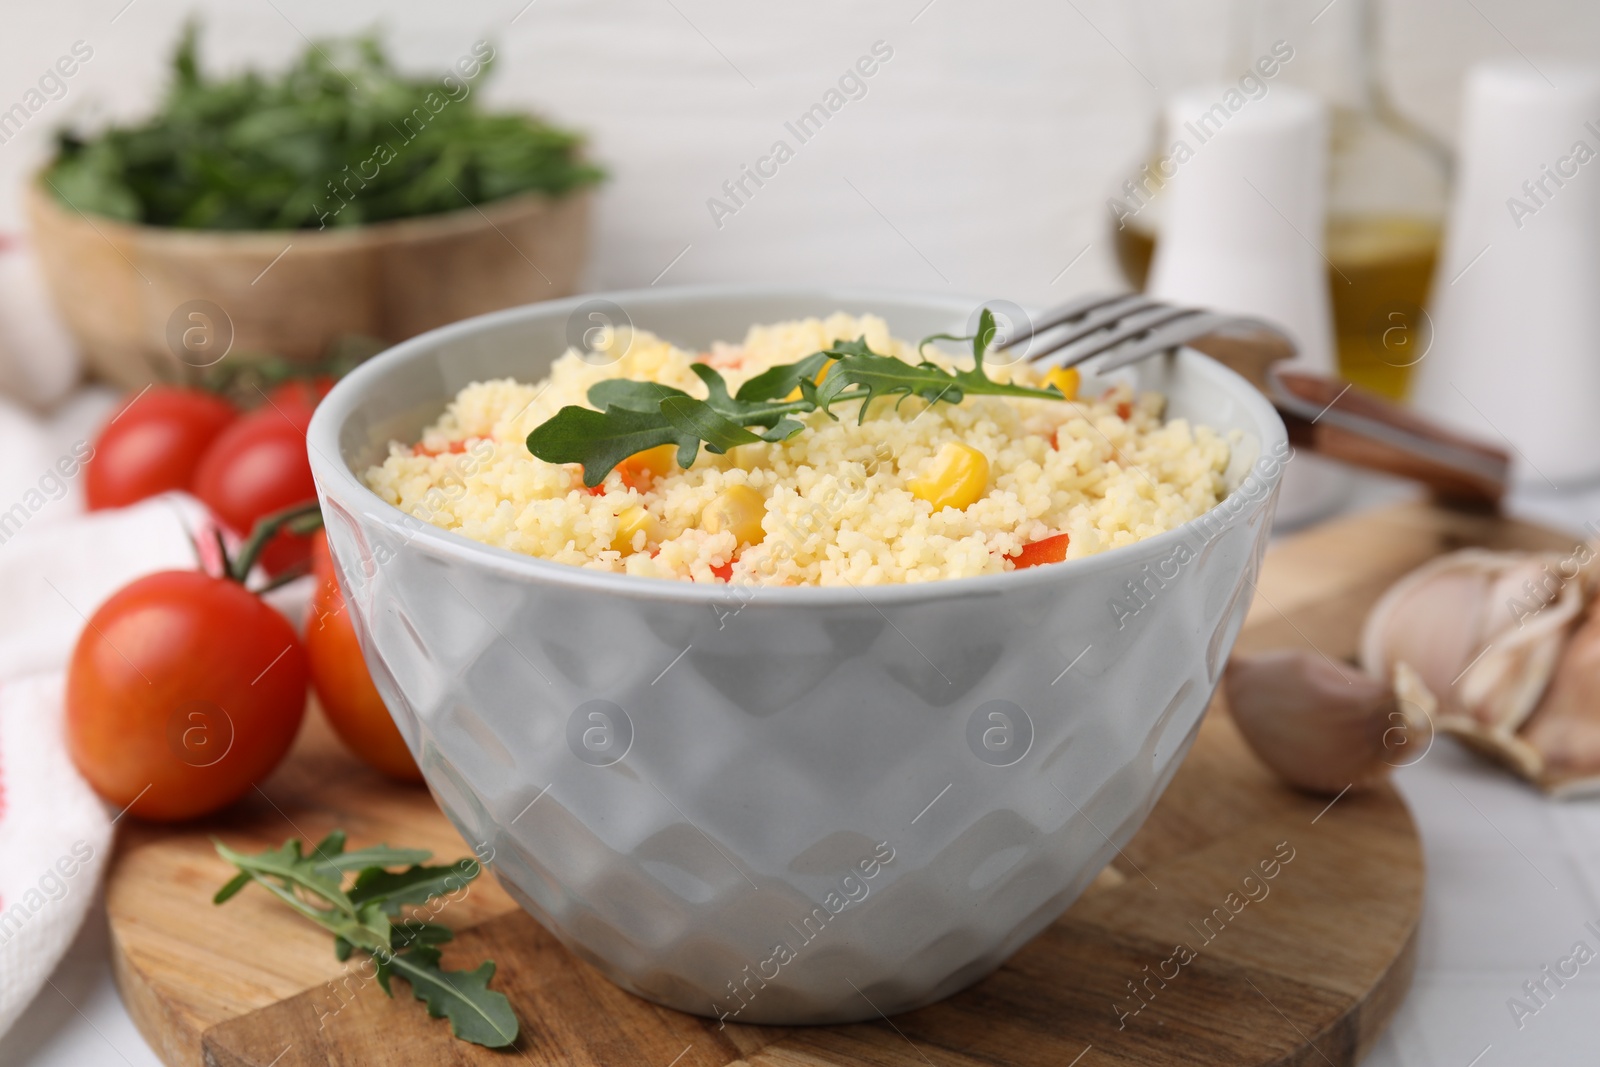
x,y
914,491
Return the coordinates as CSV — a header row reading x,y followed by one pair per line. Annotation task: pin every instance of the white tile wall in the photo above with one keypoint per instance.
x,y
980,158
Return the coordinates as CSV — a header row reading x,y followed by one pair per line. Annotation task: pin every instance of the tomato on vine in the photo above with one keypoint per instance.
x,y
185,688
259,466
154,444
344,687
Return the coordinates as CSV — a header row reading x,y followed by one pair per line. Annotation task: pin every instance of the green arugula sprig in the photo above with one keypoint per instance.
x,y
367,916
630,416
339,138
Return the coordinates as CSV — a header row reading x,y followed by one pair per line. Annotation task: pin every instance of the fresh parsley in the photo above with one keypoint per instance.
x,y
339,138
631,416
367,916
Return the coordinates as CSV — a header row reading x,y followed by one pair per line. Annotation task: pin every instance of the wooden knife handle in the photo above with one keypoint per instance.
x,y
1335,419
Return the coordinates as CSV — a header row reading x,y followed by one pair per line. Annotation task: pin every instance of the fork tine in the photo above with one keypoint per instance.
x,y
1101,318
1129,327
1247,345
1082,344
1143,336
1193,324
1056,316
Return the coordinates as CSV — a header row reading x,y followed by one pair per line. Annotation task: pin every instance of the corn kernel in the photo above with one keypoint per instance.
x,y
956,478
641,468
1066,379
739,510
630,522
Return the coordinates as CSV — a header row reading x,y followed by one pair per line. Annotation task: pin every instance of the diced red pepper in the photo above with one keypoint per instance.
x,y
1124,409
1047,550
420,449
724,571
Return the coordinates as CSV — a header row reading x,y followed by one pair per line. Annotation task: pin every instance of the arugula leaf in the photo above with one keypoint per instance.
x,y
783,429
716,388
408,932
698,419
634,416
634,396
602,439
873,376
985,335
236,883
360,918
774,383
332,845
477,1013
376,856
290,867
980,340
391,891
885,376
288,875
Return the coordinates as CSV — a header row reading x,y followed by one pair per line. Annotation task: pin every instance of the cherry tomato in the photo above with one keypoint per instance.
x,y
184,690
305,392
339,674
258,466
153,445
1051,549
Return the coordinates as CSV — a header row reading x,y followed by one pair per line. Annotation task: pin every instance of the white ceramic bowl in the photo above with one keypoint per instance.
x,y
792,805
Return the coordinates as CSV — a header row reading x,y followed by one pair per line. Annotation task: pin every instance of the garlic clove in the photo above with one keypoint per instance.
x,y
1565,729
1321,726
1431,619
1483,631
1502,688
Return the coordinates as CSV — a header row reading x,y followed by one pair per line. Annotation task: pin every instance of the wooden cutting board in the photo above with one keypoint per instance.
x,y
1310,973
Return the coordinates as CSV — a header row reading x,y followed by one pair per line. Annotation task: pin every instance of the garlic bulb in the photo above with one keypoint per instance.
x,y
1322,727
1483,631
1562,736
1506,645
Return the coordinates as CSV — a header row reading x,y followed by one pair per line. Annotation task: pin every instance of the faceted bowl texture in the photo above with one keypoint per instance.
x,y
791,805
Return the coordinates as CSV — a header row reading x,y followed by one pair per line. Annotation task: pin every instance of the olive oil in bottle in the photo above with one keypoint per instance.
x,y
1381,268
1134,242
1387,188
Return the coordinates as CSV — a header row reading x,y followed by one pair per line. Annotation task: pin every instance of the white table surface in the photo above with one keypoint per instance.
x,y
1512,880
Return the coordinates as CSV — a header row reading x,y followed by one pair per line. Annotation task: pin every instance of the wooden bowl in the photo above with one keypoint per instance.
x,y
150,302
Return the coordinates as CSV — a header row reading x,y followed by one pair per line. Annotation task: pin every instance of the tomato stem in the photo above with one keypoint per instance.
x,y
282,578
301,519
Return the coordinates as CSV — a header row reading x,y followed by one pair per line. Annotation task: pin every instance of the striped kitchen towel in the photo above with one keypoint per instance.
x,y
55,834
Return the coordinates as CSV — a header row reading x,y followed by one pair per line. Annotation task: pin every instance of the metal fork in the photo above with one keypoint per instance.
x,y
1128,327
1323,414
